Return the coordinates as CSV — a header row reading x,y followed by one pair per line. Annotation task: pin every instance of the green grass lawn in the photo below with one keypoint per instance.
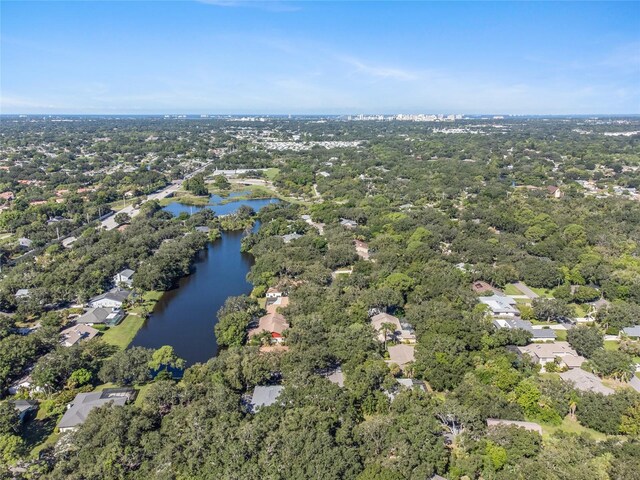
x,y
511,289
523,301
142,392
122,334
543,292
611,345
571,426
561,335
579,310
271,173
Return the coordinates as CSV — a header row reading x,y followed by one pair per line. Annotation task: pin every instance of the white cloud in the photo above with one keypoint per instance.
x,y
378,70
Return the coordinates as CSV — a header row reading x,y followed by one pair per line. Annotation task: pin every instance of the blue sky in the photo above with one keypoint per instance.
x,y
227,56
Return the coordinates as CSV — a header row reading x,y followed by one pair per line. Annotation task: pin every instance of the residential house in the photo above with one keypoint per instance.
x,y
264,396
203,229
337,377
107,316
273,304
24,383
411,383
362,249
531,426
290,237
114,298
635,383
274,323
350,224
402,330
585,381
500,306
402,354
22,293
25,242
24,408
273,293
125,277
72,335
83,403
555,192
543,353
7,196
538,334
632,332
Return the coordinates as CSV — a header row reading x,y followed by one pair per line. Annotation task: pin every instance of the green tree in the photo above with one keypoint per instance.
x,y
585,340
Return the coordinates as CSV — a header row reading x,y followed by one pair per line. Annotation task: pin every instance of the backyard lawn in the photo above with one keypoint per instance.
x,y
543,292
122,334
571,426
511,289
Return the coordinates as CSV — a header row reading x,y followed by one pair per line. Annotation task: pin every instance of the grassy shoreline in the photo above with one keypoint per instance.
x,y
123,334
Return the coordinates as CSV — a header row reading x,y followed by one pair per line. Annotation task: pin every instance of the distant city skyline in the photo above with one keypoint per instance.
x,y
344,58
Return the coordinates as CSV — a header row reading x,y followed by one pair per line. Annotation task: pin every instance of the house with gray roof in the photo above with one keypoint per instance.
x,y
585,381
538,334
203,229
290,237
264,396
107,316
25,242
350,224
632,332
125,277
24,407
78,411
114,298
635,383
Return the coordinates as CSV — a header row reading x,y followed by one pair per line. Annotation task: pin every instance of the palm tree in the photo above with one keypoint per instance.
x,y
387,327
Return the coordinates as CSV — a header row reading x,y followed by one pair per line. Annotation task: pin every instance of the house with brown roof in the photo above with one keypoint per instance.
x,y
76,334
401,354
543,353
402,332
274,323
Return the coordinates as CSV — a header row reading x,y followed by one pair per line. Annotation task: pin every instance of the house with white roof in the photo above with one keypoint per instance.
x,y
500,305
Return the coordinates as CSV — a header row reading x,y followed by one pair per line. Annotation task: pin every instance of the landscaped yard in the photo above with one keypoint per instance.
x,y
572,426
611,345
511,289
122,334
271,173
543,292
579,310
561,335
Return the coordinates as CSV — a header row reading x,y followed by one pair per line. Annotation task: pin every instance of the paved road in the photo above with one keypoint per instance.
x,y
526,290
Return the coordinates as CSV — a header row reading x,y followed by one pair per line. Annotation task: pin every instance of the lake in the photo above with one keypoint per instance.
x,y
185,316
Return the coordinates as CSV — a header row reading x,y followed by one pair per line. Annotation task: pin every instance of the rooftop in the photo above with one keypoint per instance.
x,y
585,381
264,396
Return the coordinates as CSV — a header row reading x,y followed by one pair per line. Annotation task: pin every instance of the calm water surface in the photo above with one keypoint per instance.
x,y
185,316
